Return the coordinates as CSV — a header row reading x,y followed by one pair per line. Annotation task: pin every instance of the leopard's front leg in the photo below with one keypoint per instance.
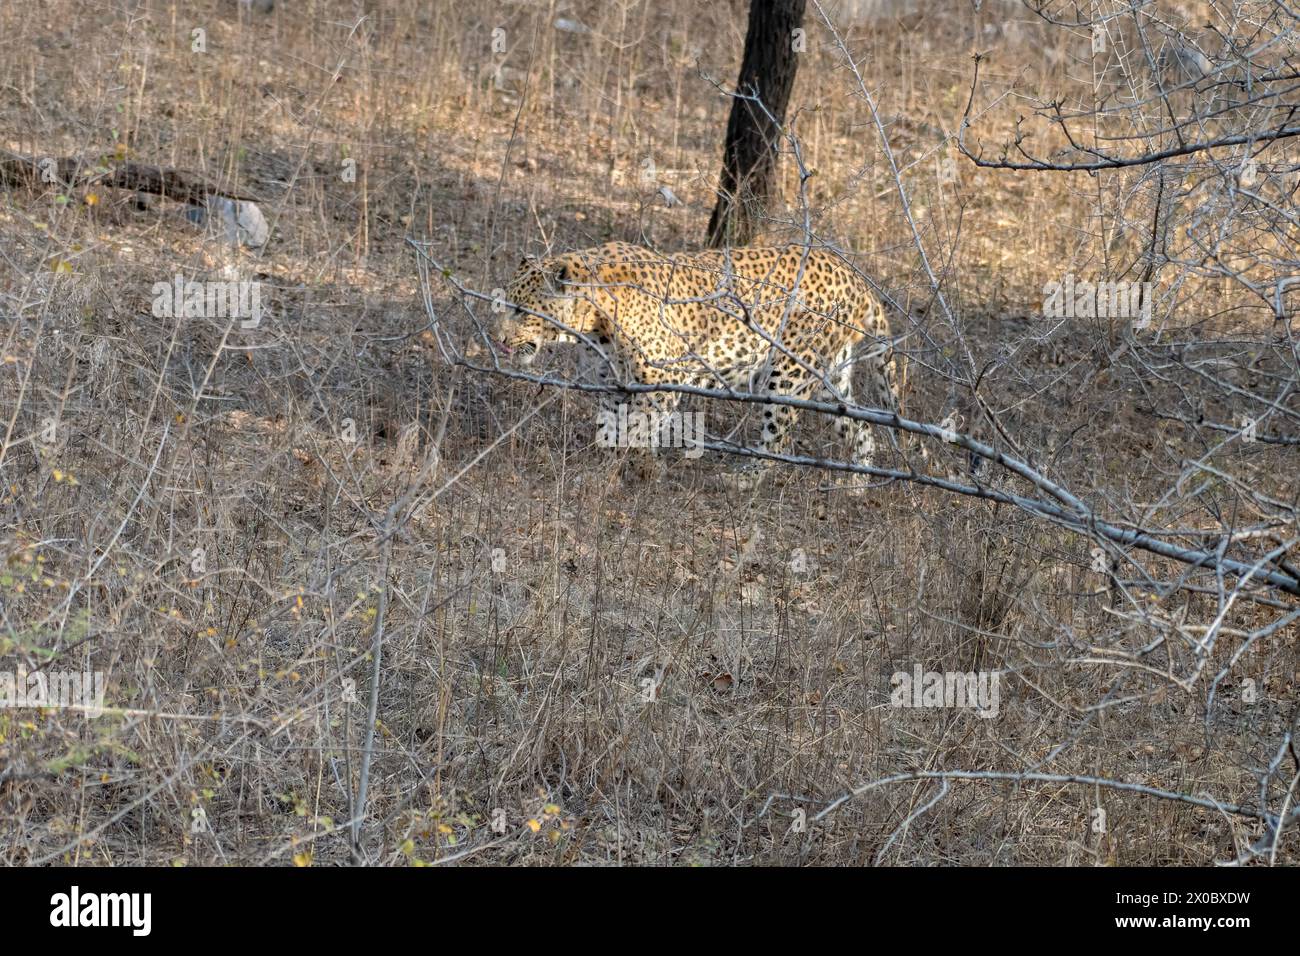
x,y
778,421
633,422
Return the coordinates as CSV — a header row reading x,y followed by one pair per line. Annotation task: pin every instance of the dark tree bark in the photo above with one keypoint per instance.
x,y
749,157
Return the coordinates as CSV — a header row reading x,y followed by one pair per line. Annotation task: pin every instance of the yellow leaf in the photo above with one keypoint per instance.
x,y
534,825
302,859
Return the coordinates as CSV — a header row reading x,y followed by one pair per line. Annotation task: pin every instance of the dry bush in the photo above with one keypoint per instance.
x,y
575,669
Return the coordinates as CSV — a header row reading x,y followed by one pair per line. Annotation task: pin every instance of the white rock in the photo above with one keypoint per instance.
x,y
242,221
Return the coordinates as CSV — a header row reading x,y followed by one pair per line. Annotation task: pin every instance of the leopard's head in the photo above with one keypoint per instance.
x,y
543,297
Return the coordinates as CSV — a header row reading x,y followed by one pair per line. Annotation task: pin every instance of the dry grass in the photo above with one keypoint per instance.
x,y
522,685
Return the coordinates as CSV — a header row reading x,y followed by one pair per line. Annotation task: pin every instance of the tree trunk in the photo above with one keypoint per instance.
x,y
754,130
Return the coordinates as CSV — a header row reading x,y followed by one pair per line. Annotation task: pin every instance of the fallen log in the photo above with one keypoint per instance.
x,y
109,171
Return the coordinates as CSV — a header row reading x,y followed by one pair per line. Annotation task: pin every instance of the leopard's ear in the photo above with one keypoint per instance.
x,y
566,270
571,268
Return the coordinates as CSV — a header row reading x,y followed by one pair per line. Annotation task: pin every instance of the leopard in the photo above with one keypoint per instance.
x,y
759,321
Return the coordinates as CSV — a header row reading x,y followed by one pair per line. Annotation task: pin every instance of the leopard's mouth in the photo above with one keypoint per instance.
x,y
523,352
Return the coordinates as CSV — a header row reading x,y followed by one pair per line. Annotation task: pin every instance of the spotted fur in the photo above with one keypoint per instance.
x,y
722,319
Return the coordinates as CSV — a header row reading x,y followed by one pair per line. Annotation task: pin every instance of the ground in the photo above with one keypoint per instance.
x,y
573,670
